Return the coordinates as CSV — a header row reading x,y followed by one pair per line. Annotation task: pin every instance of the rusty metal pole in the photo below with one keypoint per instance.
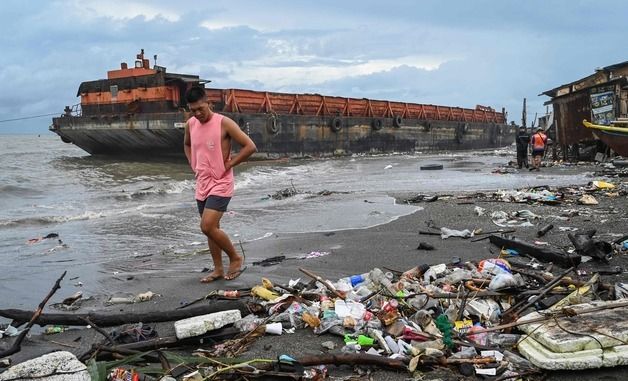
x,y
524,115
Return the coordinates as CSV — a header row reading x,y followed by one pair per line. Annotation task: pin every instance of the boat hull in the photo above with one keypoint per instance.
x,y
618,141
158,135
613,136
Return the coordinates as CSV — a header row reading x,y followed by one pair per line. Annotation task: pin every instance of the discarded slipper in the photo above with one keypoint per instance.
x,y
233,275
211,278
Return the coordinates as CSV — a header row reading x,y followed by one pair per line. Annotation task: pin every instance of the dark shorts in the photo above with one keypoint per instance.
x,y
538,152
213,202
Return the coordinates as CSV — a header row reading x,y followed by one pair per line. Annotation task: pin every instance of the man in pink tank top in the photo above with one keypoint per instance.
x,y
207,146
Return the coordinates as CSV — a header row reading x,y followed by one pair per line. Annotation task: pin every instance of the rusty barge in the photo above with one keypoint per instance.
x,y
141,111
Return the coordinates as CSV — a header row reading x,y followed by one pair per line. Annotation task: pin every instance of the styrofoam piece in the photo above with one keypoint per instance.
x,y
607,328
544,358
199,325
56,366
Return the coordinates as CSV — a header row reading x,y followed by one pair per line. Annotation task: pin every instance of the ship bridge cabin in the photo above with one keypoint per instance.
x,y
138,89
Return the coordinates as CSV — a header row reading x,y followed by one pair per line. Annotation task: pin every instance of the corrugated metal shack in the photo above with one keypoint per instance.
x,y
599,97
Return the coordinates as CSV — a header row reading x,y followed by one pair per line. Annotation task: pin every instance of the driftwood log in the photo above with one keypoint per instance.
x,y
352,359
345,359
162,342
543,254
106,319
17,344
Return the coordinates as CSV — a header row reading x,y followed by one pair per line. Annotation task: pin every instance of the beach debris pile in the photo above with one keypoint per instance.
x,y
510,316
531,308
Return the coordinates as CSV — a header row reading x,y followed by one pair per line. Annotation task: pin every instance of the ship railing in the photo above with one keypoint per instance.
x,y
74,110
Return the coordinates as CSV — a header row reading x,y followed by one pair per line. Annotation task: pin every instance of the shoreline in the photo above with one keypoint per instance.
x,y
351,251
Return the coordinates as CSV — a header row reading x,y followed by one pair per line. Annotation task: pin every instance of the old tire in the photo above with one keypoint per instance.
x,y
377,124
272,126
336,124
397,121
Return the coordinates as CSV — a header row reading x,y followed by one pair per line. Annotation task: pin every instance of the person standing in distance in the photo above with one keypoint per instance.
x,y
207,146
538,142
523,140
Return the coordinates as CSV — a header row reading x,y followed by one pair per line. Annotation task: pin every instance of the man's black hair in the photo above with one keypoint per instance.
x,y
195,94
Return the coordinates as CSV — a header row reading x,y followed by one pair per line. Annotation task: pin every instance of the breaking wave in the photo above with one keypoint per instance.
x,y
47,220
177,187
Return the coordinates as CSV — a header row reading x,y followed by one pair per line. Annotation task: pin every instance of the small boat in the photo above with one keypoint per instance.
x,y
614,136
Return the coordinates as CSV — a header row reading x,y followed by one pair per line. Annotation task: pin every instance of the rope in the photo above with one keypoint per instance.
x,y
28,117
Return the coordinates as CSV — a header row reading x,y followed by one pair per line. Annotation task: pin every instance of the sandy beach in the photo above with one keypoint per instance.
x,y
393,245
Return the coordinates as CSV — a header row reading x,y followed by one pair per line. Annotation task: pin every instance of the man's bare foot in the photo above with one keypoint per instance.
x,y
235,268
212,277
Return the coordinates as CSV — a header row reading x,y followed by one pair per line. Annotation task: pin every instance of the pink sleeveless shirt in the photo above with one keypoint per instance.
x,y
207,160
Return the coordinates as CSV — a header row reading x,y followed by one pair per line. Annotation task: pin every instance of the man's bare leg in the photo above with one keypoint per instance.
x,y
210,225
216,253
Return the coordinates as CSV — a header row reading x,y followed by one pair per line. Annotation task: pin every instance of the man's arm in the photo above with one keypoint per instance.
x,y
247,145
187,144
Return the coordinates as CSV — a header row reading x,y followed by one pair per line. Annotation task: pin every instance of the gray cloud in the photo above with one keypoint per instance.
x,y
489,52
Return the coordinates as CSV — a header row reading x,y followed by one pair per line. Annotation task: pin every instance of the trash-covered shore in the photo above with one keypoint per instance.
x,y
512,284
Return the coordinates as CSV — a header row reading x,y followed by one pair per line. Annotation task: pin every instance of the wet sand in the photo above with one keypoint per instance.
x,y
392,245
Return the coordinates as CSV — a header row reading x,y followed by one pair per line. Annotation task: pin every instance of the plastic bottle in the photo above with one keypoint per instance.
x,y
228,293
354,280
507,340
404,347
392,344
54,329
377,276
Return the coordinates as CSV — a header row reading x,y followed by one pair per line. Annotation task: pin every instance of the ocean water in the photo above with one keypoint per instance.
x,y
104,210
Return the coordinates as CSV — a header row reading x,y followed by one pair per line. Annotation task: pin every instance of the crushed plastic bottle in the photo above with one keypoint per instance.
x,y
504,340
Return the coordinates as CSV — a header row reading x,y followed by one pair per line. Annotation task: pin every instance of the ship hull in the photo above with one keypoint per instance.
x,y
282,136
159,135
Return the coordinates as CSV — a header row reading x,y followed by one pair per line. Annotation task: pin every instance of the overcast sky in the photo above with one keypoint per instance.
x,y
452,53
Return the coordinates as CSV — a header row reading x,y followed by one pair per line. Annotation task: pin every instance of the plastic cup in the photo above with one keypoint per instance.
x,y
274,328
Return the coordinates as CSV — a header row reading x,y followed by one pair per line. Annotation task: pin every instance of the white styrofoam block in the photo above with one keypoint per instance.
x,y
616,356
544,358
607,328
199,325
56,366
